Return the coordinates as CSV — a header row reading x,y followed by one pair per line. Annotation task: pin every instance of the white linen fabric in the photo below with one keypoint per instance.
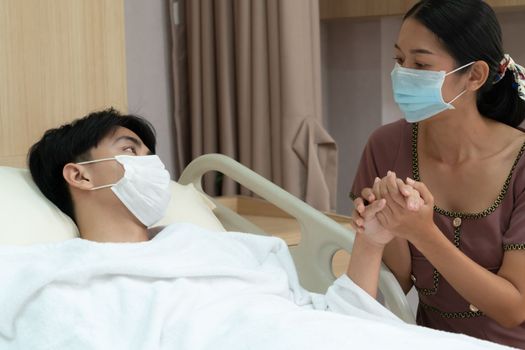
x,y
189,288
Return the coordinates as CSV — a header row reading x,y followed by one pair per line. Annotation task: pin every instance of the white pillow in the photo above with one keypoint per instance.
x,y
189,205
27,217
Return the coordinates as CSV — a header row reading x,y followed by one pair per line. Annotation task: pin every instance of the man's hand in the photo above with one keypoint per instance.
x,y
364,221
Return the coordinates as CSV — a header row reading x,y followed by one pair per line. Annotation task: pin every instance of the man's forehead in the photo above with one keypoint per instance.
x,y
122,134
121,131
117,136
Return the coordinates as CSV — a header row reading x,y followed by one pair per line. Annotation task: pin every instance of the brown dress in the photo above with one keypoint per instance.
x,y
484,237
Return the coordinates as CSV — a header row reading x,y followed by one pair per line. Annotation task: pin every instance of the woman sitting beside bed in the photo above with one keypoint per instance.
x,y
462,242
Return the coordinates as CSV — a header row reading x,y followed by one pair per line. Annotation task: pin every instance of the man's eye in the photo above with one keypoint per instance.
x,y
130,149
421,65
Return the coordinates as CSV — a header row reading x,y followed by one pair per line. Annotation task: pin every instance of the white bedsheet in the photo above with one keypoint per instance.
x,y
189,289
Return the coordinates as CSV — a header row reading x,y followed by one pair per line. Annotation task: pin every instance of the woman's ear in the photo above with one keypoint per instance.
x,y
479,74
77,176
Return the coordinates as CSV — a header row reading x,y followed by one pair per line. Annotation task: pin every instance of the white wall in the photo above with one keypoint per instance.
x,y
148,70
389,29
513,27
357,60
352,96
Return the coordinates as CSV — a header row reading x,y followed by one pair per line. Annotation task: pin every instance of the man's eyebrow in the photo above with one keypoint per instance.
x,y
134,140
416,51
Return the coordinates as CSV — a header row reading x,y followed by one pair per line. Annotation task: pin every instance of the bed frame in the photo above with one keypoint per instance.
x,y
321,237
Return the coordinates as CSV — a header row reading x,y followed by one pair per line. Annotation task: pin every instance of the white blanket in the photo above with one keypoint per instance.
x,y
189,289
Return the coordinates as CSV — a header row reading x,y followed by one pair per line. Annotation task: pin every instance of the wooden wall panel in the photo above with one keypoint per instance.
x,y
331,9
59,59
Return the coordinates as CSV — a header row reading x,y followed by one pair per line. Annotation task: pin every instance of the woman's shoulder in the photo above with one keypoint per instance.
x,y
519,171
389,136
514,139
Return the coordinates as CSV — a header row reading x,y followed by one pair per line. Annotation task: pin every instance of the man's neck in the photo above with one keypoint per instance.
x,y
118,226
133,234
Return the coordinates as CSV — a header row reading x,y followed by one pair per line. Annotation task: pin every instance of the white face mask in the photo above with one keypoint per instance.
x,y
144,188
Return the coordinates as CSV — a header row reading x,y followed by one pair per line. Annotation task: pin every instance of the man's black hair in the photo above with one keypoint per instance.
x,y
72,143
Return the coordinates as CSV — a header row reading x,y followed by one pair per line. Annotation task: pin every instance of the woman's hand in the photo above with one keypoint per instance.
x,y
402,193
406,221
364,217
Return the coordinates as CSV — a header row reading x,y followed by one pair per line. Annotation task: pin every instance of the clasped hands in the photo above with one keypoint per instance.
x,y
395,208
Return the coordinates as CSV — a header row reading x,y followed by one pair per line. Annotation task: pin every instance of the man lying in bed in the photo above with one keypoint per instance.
x,y
187,288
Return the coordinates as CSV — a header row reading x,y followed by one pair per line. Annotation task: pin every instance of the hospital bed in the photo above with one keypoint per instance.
x,y
26,211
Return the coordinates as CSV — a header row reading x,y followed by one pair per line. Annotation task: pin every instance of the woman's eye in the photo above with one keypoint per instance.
x,y
398,60
421,65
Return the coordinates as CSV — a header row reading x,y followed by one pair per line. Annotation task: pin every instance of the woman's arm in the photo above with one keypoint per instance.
x,y
500,296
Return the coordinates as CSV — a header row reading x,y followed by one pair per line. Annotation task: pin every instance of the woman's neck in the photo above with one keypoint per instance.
x,y
458,136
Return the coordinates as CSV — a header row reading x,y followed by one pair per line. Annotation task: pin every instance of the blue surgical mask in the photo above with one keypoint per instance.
x,y
418,92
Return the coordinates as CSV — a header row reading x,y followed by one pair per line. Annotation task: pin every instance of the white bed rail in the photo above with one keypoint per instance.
x,y
321,237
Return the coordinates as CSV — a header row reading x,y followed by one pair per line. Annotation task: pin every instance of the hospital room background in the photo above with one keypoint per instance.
x,y
356,61
356,47
162,59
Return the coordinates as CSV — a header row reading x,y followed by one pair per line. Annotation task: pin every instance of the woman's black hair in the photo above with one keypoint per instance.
x,y
72,143
470,31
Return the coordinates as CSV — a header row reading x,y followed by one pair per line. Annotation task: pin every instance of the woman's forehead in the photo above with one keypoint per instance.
x,y
415,38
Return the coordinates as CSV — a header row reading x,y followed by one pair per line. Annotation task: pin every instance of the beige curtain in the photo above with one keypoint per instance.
x,y
248,85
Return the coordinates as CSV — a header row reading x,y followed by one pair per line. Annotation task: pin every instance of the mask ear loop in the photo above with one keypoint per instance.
x,y
460,68
101,187
458,96
96,161
454,71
